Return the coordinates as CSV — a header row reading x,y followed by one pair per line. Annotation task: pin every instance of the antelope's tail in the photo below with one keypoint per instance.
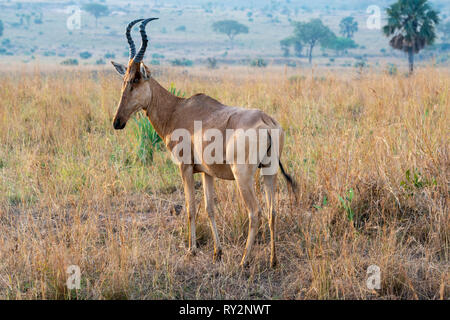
x,y
289,179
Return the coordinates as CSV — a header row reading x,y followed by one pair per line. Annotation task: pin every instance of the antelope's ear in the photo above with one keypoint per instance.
x,y
145,72
120,68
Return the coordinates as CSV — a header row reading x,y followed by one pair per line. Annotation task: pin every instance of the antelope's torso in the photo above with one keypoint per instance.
x,y
214,115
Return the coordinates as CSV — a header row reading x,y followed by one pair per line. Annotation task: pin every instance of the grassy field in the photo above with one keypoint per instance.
x,y
74,192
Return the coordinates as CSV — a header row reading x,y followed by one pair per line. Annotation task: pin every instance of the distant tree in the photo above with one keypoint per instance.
x,y
298,48
211,63
1,28
339,44
229,27
311,33
287,43
97,10
348,27
411,24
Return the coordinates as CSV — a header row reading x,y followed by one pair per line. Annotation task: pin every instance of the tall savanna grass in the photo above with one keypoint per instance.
x,y
370,153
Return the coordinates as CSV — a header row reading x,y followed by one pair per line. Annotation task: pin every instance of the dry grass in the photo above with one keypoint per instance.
x,y
72,191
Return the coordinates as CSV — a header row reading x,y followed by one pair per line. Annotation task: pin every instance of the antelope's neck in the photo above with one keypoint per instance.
x,y
161,107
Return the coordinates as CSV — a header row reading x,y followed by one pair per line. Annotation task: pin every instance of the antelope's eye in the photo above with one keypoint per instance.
x,y
135,80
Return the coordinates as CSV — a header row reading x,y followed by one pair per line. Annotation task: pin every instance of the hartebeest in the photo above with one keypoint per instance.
x,y
169,113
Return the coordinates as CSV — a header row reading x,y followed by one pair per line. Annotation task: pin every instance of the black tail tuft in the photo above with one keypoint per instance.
x,y
288,178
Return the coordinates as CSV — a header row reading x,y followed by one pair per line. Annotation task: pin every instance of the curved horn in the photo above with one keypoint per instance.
x,y
140,54
130,40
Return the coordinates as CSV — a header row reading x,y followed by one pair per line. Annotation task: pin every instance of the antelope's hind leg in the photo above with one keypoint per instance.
x,y
270,187
244,175
208,188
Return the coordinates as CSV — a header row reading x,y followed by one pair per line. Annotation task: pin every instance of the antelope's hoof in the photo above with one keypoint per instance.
x,y
273,262
245,265
192,252
217,255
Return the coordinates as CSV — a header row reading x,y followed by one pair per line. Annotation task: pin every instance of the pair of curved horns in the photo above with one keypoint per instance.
x,y
140,55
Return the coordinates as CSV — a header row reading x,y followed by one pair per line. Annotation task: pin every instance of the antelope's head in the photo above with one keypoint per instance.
x,y
136,91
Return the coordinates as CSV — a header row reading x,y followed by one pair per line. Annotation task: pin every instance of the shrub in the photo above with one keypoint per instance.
x,y
148,139
182,62
85,55
181,28
392,69
260,63
360,64
110,55
174,91
100,62
49,53
70,62
212,63
414,180
346,203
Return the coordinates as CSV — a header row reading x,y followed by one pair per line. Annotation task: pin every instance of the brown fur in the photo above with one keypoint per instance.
x,y
168,112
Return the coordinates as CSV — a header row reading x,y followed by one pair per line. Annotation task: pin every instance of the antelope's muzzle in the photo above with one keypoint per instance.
x,y
119,125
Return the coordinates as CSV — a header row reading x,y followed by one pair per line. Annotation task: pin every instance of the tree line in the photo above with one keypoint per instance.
x,y
312,33
411,26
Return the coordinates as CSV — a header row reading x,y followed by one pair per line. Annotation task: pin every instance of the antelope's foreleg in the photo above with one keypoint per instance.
x,y
187,174
208,188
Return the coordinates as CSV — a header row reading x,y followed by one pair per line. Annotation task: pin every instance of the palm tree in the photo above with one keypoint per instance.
x,y
411,23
